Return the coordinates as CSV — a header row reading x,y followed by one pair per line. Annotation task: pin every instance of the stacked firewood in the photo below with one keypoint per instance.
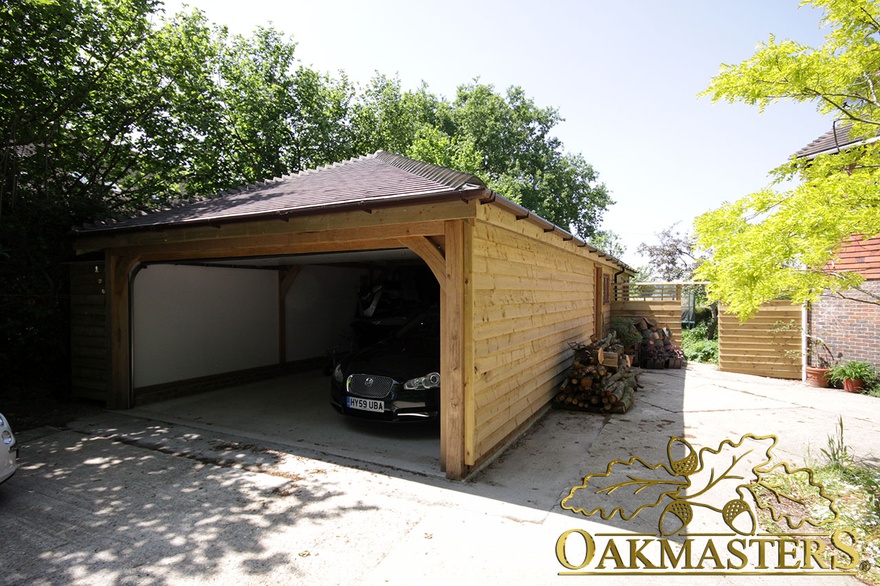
x,y
657,349
601,378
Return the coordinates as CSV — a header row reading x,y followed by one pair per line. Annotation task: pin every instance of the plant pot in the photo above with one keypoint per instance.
x,y
817,377
852,385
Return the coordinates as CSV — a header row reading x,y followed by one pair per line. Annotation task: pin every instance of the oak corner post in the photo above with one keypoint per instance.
x,y
456,350
120,269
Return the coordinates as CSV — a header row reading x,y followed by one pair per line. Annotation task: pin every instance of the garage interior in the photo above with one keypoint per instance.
x,y
199,325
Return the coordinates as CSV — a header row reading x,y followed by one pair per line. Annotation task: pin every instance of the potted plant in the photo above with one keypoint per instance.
x,y
817,376
817,352
853,374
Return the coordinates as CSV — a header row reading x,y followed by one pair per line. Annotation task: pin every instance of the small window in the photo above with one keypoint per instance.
x,y
606,289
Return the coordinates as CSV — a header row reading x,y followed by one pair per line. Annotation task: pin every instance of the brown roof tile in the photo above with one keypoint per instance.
x,y
832,141
376,179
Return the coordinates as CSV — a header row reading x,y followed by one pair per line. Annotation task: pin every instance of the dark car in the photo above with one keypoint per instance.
x,y
397,379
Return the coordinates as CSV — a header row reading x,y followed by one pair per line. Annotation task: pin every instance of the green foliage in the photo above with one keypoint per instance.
x,y
608,241
872,389
852,370
626,331
775,244
837,454
502,138
698,346
855,487
703,314
107,108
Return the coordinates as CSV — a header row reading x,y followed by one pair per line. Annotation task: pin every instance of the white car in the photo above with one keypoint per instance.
x,y
8,451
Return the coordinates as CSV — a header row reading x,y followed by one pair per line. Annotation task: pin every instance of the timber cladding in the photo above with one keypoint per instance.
x,y
763,345
89,329
533,293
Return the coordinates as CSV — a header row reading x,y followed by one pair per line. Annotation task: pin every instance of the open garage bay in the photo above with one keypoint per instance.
x,y
295,411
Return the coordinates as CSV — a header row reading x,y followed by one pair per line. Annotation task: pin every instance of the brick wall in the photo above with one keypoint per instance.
x,y
850,328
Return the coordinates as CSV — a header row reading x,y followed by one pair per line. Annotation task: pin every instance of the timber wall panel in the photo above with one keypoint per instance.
x,y
533,294
758,346
89,331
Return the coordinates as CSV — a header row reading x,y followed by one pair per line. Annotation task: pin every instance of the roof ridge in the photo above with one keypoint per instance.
x,y
444,175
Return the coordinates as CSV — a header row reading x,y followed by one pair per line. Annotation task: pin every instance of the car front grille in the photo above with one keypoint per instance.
x,y
370,386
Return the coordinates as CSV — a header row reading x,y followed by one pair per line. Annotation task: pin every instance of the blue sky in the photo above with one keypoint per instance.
x,y
624,74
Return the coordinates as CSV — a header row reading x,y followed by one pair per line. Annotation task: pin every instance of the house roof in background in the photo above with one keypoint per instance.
x,y
835,140
373,180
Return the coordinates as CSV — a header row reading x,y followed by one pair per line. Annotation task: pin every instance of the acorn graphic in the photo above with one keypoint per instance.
x,y
733,516
675,517
687,465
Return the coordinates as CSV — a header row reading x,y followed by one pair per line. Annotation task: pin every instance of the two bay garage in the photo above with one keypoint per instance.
x,y
274,276
201,322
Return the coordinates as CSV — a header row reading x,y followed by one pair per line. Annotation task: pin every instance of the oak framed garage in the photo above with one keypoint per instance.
x,y
514,288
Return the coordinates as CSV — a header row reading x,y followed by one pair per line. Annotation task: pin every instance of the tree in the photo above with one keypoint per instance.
x,y
503,139
108,109
674,257
608,241
777,242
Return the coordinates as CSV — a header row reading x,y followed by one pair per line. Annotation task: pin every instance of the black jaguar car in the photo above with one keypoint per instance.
x,y
397,379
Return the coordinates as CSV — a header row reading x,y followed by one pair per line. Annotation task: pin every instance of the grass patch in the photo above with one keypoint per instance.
x,y
855,488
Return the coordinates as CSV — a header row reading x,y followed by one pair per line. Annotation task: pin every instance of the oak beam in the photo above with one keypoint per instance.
x,y
429,253
285,282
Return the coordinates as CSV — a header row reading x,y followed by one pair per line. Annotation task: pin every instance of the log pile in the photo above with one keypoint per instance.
x,y
657,349
601,378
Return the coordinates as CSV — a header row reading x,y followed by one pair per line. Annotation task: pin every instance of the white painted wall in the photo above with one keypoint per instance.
x,y
196,321
320,307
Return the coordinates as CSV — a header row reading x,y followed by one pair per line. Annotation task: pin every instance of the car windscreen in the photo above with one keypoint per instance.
x,y
425,326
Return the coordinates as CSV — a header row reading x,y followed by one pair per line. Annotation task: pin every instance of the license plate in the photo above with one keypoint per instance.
x,y
366,404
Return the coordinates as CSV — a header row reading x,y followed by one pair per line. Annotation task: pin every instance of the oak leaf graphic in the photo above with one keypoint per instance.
x,y
731,480
793,496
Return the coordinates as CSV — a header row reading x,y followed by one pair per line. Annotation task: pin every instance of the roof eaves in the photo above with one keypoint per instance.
x,y
521,213
465,193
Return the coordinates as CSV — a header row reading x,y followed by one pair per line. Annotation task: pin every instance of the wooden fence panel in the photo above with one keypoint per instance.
x,y
759,346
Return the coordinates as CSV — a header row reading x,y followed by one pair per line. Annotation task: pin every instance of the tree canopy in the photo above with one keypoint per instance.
x,y
673,257
777,242
108,107
504,139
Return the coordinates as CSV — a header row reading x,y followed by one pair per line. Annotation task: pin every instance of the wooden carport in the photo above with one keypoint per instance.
x,y
514,288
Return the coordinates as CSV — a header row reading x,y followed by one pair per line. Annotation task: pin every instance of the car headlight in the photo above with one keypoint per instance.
x,y
337,374
5,432
429,381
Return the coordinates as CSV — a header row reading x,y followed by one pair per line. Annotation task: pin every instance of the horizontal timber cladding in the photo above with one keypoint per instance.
x,y
89,332
310,233
666,312
533,293
767,344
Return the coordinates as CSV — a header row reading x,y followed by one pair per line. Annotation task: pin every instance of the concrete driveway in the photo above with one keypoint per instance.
x,y
122,499
295,411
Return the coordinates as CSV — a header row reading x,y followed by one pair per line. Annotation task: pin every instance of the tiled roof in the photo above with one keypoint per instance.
x,y
832,141
860,255
371,180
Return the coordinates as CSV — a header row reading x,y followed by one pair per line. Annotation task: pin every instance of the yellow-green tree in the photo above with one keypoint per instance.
x,y
778,242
